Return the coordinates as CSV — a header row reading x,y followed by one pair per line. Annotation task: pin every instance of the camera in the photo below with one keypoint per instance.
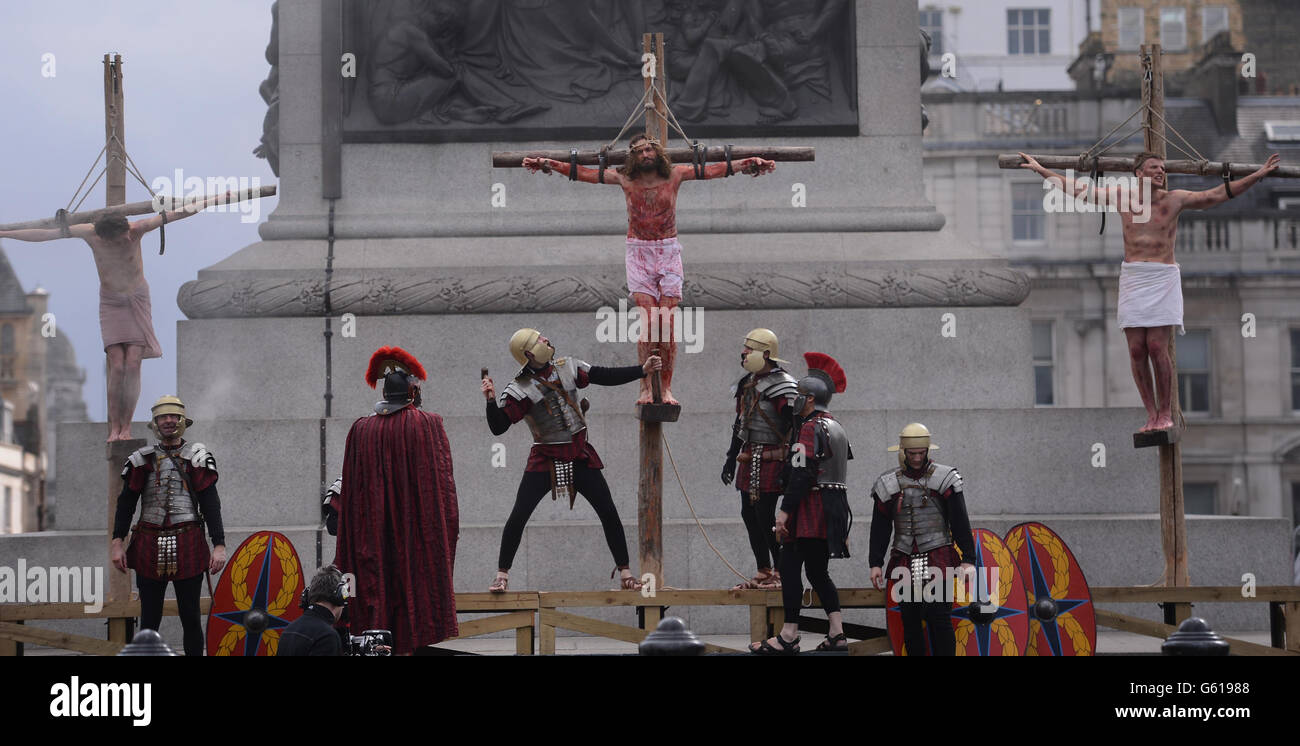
x,y
371,643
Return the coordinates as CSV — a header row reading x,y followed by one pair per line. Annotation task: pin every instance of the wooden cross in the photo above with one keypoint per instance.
x,y
1173,529
653,415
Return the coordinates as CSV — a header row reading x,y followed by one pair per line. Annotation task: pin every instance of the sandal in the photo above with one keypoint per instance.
x,y
763,580
838,643
766,648
502,581
628,583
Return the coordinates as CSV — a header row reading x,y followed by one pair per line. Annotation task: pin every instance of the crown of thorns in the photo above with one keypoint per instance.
x,y
647,138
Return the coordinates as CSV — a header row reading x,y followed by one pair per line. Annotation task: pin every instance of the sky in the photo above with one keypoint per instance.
x,y
191,72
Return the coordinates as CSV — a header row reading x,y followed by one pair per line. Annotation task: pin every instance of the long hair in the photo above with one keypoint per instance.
x,y
665,167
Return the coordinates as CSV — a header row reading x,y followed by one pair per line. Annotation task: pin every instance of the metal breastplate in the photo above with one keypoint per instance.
x,y
919,518
551,419
166,501
833,470
759,419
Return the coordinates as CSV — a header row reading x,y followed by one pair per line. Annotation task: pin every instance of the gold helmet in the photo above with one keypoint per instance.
x,y
169,404
760,341
529,340
914,435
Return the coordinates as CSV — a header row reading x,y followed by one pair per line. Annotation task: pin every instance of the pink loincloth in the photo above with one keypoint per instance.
x,y
1150,295
128,319
654,267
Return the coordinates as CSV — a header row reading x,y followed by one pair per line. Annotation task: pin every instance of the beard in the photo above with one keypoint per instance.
x,y
648,164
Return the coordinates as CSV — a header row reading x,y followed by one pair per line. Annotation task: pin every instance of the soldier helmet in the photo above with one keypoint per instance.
x,y
914,435
401,374
760,341
825,377
168,404
529,340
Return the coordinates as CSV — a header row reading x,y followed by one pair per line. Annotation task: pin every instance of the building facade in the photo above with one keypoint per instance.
x,y
1238,364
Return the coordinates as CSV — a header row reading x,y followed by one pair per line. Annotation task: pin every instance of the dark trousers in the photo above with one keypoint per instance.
x,y
590,483
187,602
813,557
759,518
938,622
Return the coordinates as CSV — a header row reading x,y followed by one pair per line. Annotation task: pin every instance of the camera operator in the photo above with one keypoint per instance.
x,y
313,633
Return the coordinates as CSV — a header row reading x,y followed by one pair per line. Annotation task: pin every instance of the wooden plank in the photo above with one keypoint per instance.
x,y
1293,626
1192,594
758,623
653,615
145,207
117,630
1146,627
617,157
61,640
9,648
118,587
874,646
1114,165
508,601
649,501
546,645
499,623
524,640
12,612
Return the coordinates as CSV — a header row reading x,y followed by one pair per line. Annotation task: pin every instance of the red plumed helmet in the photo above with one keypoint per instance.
x,y
389,359
818,361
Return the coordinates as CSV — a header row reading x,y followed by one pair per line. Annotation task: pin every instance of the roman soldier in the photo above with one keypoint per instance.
x,y
544,393
921,503
814,520
397,515
176,484
759,445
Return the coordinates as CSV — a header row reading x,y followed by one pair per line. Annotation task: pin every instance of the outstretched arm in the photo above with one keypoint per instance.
x,y
1219,195
1069,186
751,166
80,230
589,175
141,227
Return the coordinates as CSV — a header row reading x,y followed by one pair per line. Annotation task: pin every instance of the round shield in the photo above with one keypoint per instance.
x,y
256,597
1062,620
989,615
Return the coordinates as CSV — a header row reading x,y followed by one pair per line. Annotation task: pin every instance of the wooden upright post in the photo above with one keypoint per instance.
x,y
114,132
119,583
1173,527
656,120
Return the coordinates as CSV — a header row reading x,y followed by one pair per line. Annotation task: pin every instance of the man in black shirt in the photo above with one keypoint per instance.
x,y
313,633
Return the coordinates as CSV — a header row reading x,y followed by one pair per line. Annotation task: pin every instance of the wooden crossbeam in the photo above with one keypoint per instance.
x,y
61,640
490,624
1123,164
145,207
13,612
564,620
712,154
1192,594
1126,623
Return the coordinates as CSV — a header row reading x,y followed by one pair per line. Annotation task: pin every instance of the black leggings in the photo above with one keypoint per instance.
x,y
187,602
590,483
813,556
938,622
759,519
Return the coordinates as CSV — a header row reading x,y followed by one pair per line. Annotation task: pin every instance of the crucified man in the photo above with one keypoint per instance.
x,y
1150,285
654,257
125,311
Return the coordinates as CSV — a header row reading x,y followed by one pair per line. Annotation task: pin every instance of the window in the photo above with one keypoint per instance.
x,y
932,24
7,339
1043,347
1131,29
1279,131
1199,497
1193,352
1173,28
1029,31
1027,211
1295,370
1214,18
8,508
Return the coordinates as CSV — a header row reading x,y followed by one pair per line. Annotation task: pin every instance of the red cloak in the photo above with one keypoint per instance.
x,y
398,525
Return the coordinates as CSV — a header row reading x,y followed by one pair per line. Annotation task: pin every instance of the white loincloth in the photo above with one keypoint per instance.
x,y
1150,295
